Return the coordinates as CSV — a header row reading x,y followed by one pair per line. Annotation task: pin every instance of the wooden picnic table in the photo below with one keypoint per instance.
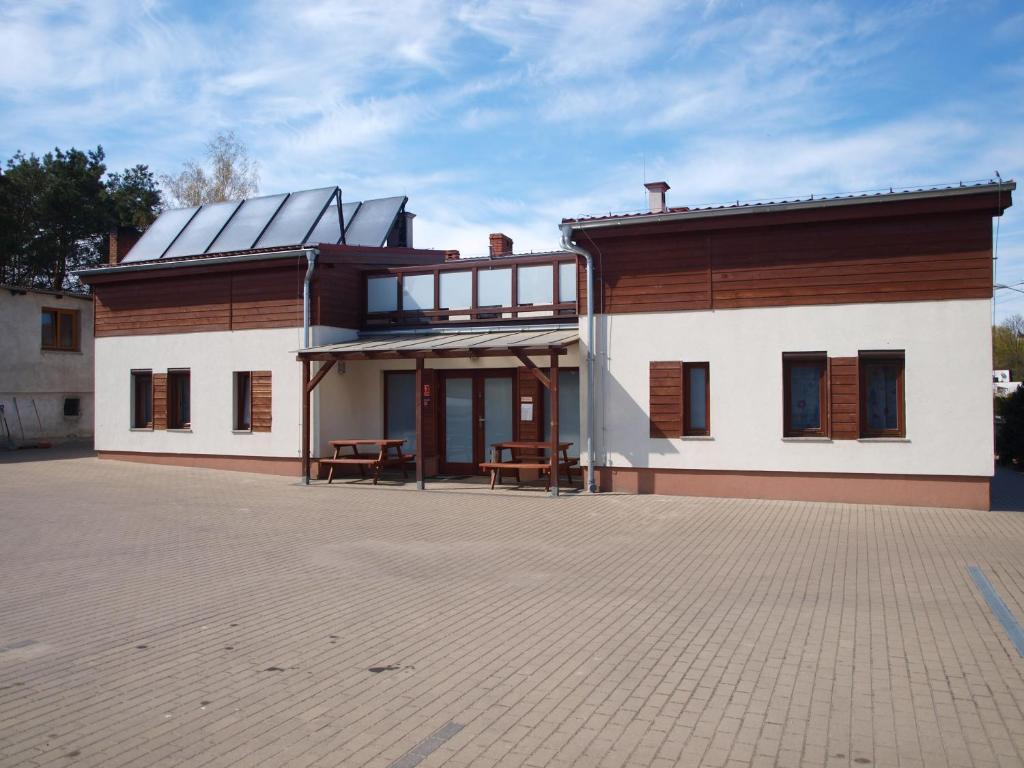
x,y
532,458
375,460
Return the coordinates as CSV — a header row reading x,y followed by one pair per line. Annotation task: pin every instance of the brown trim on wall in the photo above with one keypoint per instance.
x,y
843,388
951,491
666,399
268,465
262,401
159,401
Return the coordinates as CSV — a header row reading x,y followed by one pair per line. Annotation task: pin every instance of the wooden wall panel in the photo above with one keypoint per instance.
x,y
666,395
907,258
844,392
529,387
270,298
337,296
169,305
262,401
159,401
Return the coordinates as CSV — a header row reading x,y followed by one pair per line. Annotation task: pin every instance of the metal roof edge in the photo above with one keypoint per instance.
x,y
147,266
825,202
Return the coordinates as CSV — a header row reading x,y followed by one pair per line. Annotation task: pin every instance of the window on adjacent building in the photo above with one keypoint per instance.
x,y
243,401
59,329
179,399
142,399
805,405
882,405
697,399
72,406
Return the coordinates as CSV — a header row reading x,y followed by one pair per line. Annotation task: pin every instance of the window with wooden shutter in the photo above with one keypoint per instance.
x,y
262,400
666,385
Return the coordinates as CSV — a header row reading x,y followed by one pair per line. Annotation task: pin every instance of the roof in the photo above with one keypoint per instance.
x,y
826,201
16,290
267,223
450,343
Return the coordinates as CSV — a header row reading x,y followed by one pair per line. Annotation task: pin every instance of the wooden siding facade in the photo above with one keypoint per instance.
x,y
758,261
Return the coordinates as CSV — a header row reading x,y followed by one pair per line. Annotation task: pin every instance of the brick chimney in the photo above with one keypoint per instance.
x,y
121,240
501,245
656,196
452,255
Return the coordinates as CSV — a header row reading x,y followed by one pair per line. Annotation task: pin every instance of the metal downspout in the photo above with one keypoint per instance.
x,y
311,254
569,245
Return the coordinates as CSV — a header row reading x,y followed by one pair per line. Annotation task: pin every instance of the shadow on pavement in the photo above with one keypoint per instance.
x,y
1007,490
72,450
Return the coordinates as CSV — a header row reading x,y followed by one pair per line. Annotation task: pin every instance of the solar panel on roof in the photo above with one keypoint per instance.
x,y
247,224
328,229
161,233
297,217
348,210
373,221
197,235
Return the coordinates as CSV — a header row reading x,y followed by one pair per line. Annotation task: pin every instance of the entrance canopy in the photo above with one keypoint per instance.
x,y
446,344
522,344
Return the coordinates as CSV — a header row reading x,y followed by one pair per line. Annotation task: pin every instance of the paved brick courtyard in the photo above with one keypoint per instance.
x,y
168,616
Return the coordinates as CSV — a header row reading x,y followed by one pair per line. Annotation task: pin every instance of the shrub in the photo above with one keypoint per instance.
x,y
1010,428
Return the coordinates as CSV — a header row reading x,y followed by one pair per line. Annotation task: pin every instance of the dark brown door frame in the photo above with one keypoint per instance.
x,y
479,415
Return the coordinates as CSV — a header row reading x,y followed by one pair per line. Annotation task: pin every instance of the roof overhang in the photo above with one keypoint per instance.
x,y
740,209
469,343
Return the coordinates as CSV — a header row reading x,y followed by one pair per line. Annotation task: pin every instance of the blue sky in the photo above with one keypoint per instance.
x,y
502,115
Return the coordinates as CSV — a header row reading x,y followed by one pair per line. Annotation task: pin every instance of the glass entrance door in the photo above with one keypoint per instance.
x,y
478,411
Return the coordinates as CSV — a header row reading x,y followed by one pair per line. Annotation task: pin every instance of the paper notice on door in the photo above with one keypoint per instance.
x,y
526,409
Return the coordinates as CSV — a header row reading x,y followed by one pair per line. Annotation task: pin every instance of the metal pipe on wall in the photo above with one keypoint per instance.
x,y
569,245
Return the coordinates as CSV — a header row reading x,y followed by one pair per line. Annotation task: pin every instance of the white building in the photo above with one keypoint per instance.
x,y
46,366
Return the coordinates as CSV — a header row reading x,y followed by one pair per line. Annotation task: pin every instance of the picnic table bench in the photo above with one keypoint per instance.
x,y
531,456
374,461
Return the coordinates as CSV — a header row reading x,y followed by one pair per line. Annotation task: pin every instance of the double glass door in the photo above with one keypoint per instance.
x,y
477,411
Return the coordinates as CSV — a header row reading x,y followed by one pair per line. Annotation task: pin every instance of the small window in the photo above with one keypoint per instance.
x,y
72,407
456,290
142,400
882,406
243,401
567,281
697,402
494,287
417,292
381,294
179,400
536,285
805,406
59,329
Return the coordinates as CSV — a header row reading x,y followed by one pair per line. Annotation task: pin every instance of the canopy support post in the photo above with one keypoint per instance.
x,y
553,389
420,485
305,421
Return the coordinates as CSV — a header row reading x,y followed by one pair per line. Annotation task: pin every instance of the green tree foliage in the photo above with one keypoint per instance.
x,y
57,210
1010,428
1008,346
230,174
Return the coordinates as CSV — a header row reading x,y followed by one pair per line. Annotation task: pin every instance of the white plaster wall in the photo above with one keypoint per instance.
x,y
40,379
947,386
212,358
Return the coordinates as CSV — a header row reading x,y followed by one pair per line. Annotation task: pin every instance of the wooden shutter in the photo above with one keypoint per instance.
x,y
159,401
666,399
844,408
262,400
